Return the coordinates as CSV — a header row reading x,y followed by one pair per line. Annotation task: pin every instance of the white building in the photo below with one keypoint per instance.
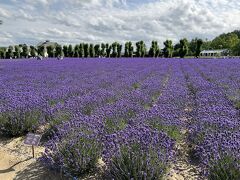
x,y
214,53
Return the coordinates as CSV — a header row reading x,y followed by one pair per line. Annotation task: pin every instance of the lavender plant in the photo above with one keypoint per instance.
x,y
137,153
74,149
21,117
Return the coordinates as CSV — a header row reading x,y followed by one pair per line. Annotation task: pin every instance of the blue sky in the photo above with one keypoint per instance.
x,y
95,21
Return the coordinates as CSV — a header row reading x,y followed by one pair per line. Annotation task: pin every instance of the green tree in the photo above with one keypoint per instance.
x,y
141,49
103,50
70,51
151,52
207,45
225,41
2,53
59,51
114,49
50,51
176,50
119,50
40,50
25,51
91,51
32,51
128,49
168,49
97,50
144,49
9,53
154,49
138,49
192,47
65,51
183,50
108,50
76,50
236,49
237,32
198,47
17,52
81,50
86,50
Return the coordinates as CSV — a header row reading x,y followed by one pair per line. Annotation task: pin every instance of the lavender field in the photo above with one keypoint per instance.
x,y
127,118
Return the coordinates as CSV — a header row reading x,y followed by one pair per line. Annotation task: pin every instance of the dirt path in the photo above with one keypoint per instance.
x,y
183,168
16,162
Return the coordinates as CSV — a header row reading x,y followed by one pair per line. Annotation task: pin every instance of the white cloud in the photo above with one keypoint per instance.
x,y
4,13
96,21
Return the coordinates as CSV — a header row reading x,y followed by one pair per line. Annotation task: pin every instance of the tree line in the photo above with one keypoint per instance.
x,y
230,41
113,50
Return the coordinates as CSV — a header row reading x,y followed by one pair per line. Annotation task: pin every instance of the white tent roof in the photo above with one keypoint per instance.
x,y
214,51
47,43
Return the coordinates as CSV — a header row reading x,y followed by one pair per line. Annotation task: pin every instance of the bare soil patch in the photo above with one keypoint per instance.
x,y
16,161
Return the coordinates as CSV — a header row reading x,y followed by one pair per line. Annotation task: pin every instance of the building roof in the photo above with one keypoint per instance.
x,y
46,43
214,51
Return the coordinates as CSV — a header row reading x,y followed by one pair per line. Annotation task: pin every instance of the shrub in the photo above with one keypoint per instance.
x,y
219,155
137,153
237,105
22,114
19,121
225,168
74,149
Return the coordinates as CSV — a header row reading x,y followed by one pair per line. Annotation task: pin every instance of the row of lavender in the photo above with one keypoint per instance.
x,y
127,113
215,128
